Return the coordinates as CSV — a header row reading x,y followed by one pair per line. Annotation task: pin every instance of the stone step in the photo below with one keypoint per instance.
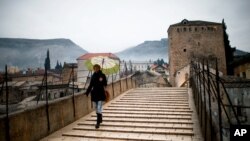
x,y
141,120
147,109
157,95
155,98
141,125
73,138
136,130
98,134
150,102
153,104
145,100
158,92
149,106
145,116
147,113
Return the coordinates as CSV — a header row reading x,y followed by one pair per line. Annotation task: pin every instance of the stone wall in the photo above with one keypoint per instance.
x,y
32,124
240,96
188,40
182,76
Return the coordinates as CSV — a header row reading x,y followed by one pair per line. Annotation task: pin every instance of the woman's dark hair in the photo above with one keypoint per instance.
x,y
97,66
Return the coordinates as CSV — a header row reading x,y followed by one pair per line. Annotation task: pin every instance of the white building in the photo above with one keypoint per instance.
x,y
135,65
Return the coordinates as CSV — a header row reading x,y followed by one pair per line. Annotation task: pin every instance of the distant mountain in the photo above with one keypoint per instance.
x,y
146,51
32,52
239,53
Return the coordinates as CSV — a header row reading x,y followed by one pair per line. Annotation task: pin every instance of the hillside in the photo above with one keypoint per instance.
x,y
146,51
32,52
239,53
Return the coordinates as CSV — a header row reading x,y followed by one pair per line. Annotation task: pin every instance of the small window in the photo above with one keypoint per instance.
x,y
178,30
190,29
202,28
244,74
185,21
195,29
184,29
199,44
184,50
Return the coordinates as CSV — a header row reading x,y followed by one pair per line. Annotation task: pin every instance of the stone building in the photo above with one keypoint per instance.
x,y
189,39
69,69
242,66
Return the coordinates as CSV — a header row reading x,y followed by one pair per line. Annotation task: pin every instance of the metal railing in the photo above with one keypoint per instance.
x,y
214,106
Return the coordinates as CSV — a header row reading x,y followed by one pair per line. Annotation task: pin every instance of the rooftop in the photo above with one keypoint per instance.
x,y
194,23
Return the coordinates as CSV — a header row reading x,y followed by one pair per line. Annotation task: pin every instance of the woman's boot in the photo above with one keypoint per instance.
x,y
100,118
97,121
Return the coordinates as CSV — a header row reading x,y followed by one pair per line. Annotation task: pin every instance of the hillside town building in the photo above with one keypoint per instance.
x,y
242,66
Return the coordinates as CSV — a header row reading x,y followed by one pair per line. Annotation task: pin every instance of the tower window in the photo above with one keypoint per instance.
x,y
244,74
185,21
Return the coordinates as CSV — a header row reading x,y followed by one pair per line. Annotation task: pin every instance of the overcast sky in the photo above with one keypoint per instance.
x,y
113,25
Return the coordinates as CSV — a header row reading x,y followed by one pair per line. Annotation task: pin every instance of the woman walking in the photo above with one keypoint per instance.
x,y
97,87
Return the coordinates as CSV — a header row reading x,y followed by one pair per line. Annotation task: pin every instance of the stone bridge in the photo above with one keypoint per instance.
x,y
148,114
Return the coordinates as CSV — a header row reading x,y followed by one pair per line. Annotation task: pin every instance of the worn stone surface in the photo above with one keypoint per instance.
x,y
150,114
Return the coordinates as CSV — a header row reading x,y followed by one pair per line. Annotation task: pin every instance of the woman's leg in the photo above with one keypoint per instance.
x,y
99,113
98,106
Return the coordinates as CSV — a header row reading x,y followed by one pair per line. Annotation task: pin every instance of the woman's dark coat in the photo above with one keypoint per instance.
x,y
96,86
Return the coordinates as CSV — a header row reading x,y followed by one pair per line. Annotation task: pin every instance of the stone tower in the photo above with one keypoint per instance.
x,y
194,38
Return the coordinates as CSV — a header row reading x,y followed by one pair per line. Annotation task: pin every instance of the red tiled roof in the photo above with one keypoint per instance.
x,y
90,55
156,66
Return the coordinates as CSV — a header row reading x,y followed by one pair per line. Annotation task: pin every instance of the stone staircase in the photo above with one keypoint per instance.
x,y
148,114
